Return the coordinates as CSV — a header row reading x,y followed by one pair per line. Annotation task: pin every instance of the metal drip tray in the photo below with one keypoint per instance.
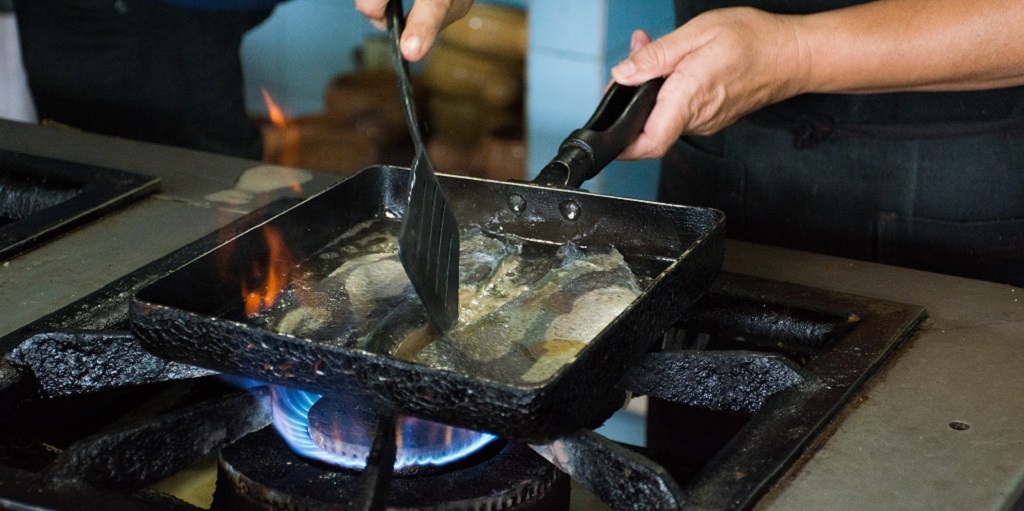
x,y
42,197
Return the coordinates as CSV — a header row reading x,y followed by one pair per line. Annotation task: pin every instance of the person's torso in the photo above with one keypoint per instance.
x,y
225,5
686,9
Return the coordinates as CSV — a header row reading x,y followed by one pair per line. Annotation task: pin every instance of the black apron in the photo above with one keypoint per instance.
x,y
141,69
933,181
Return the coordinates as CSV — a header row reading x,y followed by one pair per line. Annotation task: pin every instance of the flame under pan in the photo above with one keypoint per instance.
x,y
187,315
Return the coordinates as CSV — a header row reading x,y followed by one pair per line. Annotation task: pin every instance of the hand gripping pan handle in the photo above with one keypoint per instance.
x,y
618,120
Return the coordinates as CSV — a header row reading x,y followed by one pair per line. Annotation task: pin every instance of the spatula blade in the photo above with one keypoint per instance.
x,y
428,245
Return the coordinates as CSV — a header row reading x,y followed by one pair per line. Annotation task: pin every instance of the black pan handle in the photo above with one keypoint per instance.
x,y
616,123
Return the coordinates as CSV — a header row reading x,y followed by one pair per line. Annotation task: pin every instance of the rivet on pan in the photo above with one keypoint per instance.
x,y
570,210
516,202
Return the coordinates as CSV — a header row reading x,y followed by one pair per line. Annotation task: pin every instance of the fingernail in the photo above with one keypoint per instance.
x,y
625,69
379,25
411,48
634,42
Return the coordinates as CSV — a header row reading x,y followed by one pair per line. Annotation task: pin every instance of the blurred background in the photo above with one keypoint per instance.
x,y
497,95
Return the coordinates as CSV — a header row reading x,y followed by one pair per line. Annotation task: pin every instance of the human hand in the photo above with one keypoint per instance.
x,y
720,66
424,22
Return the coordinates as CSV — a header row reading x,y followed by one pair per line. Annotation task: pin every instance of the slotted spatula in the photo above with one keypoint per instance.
x,y
428,243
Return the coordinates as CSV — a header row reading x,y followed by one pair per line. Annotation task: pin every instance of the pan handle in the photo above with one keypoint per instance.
x,y
618,120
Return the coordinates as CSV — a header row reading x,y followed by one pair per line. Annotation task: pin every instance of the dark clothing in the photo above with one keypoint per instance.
x,y
926,180
225,5
141,69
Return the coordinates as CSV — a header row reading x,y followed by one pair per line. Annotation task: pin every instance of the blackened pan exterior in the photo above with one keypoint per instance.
x,y
187,315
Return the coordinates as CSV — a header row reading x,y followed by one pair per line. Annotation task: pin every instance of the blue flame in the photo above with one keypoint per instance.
x,y
418,443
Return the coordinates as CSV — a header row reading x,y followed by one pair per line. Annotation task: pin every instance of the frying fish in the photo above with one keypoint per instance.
x,y
525,310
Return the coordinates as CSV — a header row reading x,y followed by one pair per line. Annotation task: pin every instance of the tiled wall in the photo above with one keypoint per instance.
x,y
573,46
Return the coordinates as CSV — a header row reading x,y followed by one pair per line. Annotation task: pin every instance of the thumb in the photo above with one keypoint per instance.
x,y
647,59
638,40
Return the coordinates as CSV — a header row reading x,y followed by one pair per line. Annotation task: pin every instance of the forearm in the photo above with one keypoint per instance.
x,y
904,45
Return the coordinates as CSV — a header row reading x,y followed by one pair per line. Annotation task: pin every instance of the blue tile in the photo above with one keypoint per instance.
x,y
635,179
567,41
657,17
519,4
561,95
571,26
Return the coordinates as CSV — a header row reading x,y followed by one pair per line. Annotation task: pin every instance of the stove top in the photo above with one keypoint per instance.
x,y
42,197
934,429
778,358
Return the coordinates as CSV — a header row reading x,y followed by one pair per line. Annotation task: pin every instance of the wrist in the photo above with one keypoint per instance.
x,y
793,61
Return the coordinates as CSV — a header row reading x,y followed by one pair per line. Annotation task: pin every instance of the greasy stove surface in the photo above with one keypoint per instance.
x,y
198,193
937,428
903,444
43,197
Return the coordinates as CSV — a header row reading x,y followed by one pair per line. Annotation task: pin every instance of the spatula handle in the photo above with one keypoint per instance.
x,y
618,120
395,16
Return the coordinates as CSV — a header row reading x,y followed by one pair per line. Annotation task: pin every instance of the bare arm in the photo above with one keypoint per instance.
x,y
899,45
424,22
726,63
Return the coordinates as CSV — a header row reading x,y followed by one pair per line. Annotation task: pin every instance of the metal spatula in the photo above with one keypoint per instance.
x,y
428,243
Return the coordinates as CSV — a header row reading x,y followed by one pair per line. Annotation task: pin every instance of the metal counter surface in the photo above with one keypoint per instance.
x,y
901,443
199,192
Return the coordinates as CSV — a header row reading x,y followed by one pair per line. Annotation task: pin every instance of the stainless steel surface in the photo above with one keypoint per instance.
x,y
893,448
896,448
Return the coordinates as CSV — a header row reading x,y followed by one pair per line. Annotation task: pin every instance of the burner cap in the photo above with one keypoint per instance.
x,y
261,472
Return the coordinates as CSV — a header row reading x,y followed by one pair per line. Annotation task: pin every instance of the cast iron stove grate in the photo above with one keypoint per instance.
x,y
784,358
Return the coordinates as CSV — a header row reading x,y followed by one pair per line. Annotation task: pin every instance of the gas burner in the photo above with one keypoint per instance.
x,y
261,472
338,430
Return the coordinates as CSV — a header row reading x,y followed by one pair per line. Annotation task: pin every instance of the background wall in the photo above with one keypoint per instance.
x,y
305,43
573,45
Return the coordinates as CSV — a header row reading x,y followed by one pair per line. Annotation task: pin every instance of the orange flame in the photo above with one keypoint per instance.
x,y
279,266
276,115
288,153
399,440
